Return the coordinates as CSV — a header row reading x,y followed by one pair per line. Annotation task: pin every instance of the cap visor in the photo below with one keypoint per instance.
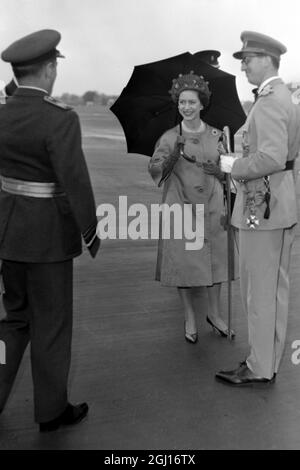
x,y
238,55
59,54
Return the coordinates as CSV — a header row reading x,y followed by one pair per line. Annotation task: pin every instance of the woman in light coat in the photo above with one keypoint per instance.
x,y
185,162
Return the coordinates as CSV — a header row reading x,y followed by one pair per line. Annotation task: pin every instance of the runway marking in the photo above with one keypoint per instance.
x,y
118,137
2,353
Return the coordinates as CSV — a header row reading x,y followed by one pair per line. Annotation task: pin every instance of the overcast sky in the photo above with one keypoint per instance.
x,y
103,39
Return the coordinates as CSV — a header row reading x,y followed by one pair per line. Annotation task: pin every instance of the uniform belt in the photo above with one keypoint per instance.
x,y
289,165
30,188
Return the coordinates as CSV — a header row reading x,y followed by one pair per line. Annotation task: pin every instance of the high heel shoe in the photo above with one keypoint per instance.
x,y
190,337
223,333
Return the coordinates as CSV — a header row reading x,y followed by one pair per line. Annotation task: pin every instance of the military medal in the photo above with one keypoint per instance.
x,y
252,221
267,197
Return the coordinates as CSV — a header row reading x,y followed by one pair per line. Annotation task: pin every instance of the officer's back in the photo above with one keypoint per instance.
x,y
25,122
46,204
40,143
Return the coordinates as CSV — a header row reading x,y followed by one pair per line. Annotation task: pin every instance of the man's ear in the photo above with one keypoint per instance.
x,y
50,69
268,60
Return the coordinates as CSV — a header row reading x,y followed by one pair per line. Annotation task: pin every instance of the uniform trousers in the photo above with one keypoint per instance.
x,y
264,279
38,301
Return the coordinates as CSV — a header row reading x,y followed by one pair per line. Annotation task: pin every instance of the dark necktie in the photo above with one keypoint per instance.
x,y
255,93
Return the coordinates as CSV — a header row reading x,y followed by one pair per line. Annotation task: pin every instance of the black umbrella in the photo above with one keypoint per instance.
x,y
145,108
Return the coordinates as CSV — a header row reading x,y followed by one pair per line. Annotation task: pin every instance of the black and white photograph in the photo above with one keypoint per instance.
x,y
149,237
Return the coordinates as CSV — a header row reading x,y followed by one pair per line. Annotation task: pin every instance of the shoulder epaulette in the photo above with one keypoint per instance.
x,y
267,90
58,103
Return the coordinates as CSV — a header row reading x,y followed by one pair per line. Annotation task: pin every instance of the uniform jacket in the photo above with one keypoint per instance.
x,y
40,141
271,137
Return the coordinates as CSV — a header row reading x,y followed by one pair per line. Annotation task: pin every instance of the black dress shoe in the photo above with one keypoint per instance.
x,y
191,338
234,371
223,333
73,414
242,376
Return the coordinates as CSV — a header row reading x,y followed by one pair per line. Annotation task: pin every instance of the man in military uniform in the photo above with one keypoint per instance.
x,y
46,204
265,209
209,57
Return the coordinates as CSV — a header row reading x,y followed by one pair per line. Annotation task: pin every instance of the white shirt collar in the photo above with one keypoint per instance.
x,y
263,84
33,88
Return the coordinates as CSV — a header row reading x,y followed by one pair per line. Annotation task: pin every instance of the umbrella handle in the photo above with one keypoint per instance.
x,y
226,133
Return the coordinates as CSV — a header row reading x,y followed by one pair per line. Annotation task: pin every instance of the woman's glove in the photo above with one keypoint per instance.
x,y
211,168
227,161
171,161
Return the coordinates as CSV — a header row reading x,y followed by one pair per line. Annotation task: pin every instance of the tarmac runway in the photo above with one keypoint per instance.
x,y
147,388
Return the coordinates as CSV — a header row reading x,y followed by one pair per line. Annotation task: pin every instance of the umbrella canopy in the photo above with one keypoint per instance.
x,y
145,108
